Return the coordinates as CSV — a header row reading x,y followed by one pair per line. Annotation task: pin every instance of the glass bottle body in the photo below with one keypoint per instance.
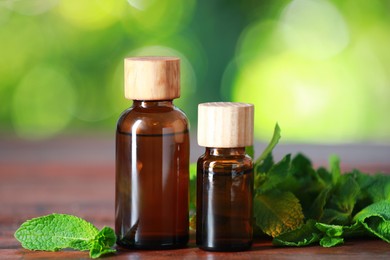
x,y
152,176
224,200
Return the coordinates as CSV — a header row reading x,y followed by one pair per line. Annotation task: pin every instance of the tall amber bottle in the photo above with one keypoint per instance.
x,y
225,177
152,158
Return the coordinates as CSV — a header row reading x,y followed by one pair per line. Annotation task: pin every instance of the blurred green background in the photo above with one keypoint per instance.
x,y
321,68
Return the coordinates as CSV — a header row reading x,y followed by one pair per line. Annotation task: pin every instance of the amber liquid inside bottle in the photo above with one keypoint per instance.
x,y
224,200
152,176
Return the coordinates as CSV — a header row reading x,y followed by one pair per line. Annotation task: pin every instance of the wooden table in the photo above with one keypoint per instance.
x,y
75,175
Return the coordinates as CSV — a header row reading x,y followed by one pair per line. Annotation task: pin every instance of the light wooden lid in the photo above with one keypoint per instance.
x,y
152,78
225,124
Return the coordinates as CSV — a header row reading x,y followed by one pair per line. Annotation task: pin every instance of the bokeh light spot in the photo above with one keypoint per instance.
x,y
92,14
31,7
318,102
5,13
314,28
257,40
43,103
141,4
15,53
159,18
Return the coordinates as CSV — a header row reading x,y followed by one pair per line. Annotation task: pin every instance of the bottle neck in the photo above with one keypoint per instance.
x,y
152,103
237,151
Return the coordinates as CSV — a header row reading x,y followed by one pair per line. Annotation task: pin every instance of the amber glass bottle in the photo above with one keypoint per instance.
x,y
225,177
152,158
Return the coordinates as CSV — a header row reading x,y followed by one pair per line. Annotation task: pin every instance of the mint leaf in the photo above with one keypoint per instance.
x,y
102,243
58,231
292,190
316,210
261,171
325,177
330,230
354,230
97,251
334,216
277,212
376,219
274,141
304,235
250,150
334,163
331,241
277,174
306,184
106,237
332,234
265,164
379,188
265,161
340,206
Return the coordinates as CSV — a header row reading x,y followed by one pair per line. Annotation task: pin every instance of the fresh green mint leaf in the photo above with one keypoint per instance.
x,y
379,188
260,178
277,174
292,190
103,242
106,237
303,236
334,163
250,150
325,176
307,185
274,141
277,212
335,217
307,176
347,191
332,234
56,231
59,231
364,180
316,210
301,165
373,188
331,241
97,250
265,164
330,230
340,206
355,230
376,219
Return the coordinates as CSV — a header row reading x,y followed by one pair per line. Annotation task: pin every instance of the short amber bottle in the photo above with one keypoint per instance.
x,y
225,177
152,158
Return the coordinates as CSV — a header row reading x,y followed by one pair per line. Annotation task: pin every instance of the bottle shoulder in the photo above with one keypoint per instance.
x,y
241,163
153,121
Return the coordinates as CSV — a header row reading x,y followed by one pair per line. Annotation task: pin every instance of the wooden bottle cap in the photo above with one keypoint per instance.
x,y
225,124
152,78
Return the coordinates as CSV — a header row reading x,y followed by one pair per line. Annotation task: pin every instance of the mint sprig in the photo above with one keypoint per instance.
x,y
59,231
318,205
298,205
